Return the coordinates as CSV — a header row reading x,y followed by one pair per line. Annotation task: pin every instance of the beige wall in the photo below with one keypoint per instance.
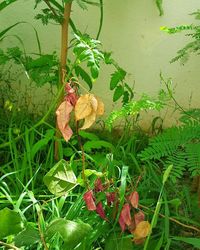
x,y
132,31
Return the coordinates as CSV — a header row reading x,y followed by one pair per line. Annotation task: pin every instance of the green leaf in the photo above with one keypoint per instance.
x,y
88,146
167,173
4,4
87,135
10,222
2,33
117,76
159,4
27,237
60,179
41,143
119,91
84,75
71,232
192,241
115,241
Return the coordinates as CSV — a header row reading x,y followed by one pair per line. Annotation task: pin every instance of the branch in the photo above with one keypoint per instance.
x,y
8,245
174,220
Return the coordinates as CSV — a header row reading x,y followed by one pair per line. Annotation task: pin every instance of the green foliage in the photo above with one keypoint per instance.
x,y
115,241
192,47
27,237
133,108
11,222
159,4
60,179
87,50
177,146
71,232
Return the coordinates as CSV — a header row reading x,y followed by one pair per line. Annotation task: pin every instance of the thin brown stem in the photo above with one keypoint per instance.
x,y
83,158
9,246
172,219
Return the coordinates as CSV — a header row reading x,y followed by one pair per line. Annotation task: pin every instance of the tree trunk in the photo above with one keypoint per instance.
x,y
63,61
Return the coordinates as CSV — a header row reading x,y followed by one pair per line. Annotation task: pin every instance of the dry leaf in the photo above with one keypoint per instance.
x,y
94,103
139,217
89,200
100,107
142,230
89,120
125,217
83,107
134,199
63,117
88,107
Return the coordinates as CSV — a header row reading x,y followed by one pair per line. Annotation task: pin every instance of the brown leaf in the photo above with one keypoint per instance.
x,y
142,230
125,217
134,199
100,107
139,217
83,107
63,117
89,120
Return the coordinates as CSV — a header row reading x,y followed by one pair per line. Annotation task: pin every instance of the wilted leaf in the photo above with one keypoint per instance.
x,y
10,222
100,211
125,217
142,230
60,179
27,237
83,107
89,120
71,95
139,217
63,117
100,107
71,232
134,199
89,200
98,187
110,197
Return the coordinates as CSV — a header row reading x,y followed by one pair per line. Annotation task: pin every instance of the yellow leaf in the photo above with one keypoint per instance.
x,y
83,107
142,230
94,102
89,120
100,107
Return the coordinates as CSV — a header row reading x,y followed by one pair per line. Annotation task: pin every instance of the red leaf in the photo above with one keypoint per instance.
x,y
71,96
125,217
139,217
98,185
134,199
89,200
110,198
101,211
63,117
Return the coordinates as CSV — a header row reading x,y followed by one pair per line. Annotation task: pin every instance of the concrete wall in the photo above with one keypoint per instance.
x,y
132,31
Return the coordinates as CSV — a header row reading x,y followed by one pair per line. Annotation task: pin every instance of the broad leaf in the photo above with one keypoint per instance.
x,y
119,91
27,237
60,179
63,117
10,222
88,107
84,75
114,241
142,230
71,232
89,145
117,76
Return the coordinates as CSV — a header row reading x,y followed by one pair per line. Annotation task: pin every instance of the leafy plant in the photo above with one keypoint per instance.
x,y
192,47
